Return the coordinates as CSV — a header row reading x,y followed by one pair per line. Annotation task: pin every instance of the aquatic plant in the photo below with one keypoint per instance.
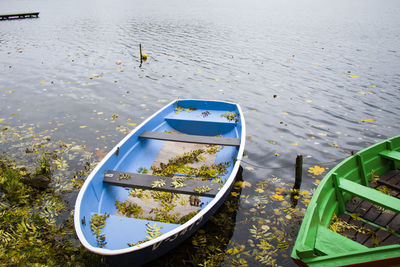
x,y
97,222
180,109
231,116
124,176
142,170
158,183
205,113
177,182
202,189
29,234
129,209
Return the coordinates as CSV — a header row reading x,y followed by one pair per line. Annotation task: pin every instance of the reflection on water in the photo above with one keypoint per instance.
x,y
317,78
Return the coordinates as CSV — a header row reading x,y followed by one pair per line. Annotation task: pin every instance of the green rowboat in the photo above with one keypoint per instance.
x,y
354,215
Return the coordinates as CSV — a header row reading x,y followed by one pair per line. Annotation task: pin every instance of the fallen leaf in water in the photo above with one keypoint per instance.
x,y
259,190
316,170
217,79
373,85
119,62
99,155
83,126
114,116
309,101
294,144
277,154
249,168
9,91
272,142
277,197
322,134
368,120
234,194
243,184
353,76
277,212
132,124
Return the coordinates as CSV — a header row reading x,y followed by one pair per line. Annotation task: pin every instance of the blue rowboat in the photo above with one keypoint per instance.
x,y
164,180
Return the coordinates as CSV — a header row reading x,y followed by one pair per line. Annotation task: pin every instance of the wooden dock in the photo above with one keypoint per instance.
x,y
20,16
380,227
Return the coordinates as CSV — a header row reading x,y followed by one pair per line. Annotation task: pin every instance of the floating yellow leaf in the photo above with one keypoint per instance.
x,y
309,101
259,190
353,76
1,120
277,154
248,137
368,120
272,142
114,116
316,170
373,85
9,91
294,144
132,124
234,194
243,184
277,197
277,212
249,168
322,134
83,126
217,79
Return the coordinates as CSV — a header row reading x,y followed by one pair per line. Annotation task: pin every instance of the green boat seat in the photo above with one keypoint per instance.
x,y
367,193
392,155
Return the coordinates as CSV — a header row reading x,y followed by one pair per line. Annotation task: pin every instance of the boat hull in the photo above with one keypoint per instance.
x,y
190,117
316,244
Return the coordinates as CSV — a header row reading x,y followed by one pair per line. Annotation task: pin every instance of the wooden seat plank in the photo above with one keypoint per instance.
x,y
187,138
144,181
370,194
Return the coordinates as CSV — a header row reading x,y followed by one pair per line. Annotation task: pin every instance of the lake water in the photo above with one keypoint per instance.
x,y
317,78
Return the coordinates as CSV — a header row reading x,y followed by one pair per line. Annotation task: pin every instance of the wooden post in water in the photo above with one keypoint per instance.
x,y
294,195
298,172
141,58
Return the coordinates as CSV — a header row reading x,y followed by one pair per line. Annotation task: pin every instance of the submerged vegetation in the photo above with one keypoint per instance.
x,y
36,224
96,224
181,164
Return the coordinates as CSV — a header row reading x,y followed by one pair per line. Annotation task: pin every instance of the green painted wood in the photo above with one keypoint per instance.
x,y
392,155
370,194
331,243
363,173
186,138
144,181
350,174
339,195
307,244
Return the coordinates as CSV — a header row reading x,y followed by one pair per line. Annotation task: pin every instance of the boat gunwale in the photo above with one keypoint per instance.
x,y
317,197
192,222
